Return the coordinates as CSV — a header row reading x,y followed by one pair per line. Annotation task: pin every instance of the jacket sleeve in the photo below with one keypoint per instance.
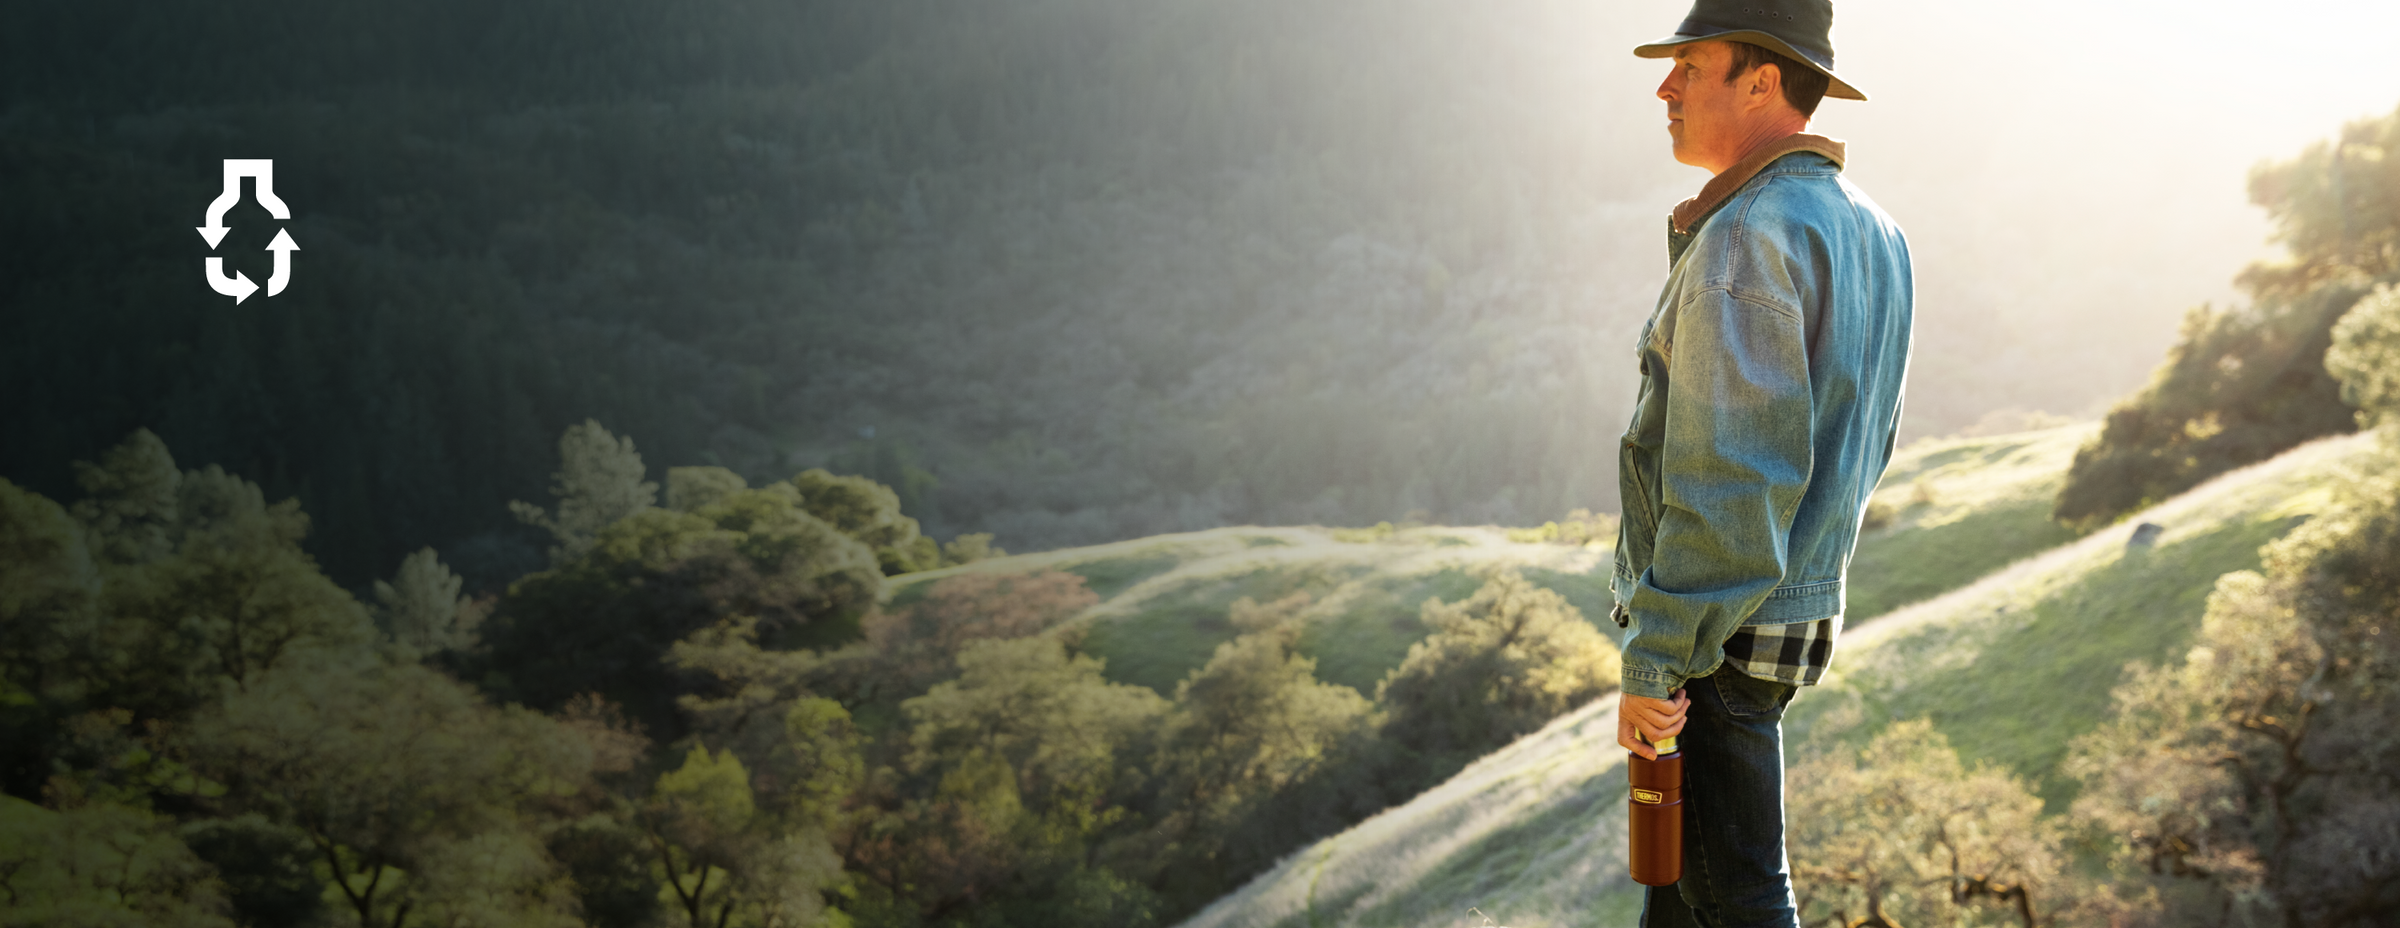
x,y
1735,462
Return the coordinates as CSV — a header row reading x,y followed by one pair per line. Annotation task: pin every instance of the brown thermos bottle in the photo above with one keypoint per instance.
x,y
1655,822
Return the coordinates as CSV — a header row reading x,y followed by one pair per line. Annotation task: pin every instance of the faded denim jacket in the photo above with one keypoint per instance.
x,y
1771,381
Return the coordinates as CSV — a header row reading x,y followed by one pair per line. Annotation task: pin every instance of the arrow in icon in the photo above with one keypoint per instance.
x,y
283,247
237,286
263,169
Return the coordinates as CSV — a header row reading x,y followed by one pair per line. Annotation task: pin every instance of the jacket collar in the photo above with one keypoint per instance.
x,y
1723,185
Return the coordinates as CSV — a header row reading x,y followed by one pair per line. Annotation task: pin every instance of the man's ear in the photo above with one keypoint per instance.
x,y
1765,85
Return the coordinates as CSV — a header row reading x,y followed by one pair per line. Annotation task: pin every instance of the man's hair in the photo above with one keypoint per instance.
x,y
1803,86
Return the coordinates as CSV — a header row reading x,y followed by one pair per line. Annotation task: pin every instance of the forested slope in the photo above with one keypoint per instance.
x,y
1062,270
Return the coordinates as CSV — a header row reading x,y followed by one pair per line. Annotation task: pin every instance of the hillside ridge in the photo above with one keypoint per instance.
x,y
1532,834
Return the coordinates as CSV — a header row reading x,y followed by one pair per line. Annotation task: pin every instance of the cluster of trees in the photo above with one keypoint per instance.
x,y
705,711
2241,385
215,729
2255,781
2251,783
1902,833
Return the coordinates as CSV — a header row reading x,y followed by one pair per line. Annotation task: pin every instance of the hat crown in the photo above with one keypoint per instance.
x,y
1802,29
1805,25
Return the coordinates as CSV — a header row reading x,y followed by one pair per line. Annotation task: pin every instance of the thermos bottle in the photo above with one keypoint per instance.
x,y
1655,822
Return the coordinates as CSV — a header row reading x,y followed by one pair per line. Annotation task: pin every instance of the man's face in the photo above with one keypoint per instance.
x,y
1705,115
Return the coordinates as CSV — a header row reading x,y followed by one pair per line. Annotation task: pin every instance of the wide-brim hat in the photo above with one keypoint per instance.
x,y
1798,29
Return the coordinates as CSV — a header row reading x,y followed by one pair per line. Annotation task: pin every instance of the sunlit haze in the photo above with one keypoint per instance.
x,y
2071,174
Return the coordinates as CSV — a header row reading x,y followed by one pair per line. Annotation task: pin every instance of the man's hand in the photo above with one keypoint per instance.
x,y
1654,718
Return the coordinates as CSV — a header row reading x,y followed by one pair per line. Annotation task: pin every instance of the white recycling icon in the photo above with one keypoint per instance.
x,y
239,286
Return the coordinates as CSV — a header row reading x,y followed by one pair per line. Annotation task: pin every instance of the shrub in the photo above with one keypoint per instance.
x,y
1499,664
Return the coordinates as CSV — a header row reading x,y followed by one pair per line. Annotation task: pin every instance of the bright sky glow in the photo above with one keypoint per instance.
x,y
2068,169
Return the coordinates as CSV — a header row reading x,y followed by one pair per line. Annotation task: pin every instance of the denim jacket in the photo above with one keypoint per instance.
x,y
1771,380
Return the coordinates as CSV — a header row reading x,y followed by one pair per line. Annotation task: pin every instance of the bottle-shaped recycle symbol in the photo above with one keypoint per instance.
x,y
239,286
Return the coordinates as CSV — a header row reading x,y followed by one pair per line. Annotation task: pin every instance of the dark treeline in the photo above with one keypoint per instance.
x,y
1060,270
706,711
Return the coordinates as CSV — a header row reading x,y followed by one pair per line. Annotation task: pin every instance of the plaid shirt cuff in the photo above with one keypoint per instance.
x,y
1797,653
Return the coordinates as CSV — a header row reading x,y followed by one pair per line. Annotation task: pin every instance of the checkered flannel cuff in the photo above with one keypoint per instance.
x,y
1797,653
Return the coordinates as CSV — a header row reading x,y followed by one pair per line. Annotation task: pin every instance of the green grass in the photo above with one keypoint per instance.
x,y
1158,645
1980,504
2016,666
1164,599
1985,503
1588,593
1965,507
1358,645
2036,674
1532,835
1111,576
2010,667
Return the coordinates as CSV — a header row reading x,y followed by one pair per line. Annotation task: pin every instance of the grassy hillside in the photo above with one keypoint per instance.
x,y
2014,665
2008,667
1164,599
1960,508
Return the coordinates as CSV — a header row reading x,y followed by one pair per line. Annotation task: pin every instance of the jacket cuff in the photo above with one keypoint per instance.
x,y
1649,684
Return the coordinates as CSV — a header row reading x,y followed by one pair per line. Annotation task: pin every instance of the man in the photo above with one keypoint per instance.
x,y
1770,394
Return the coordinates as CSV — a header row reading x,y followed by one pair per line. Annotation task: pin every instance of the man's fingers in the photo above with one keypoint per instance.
x,y
1652,719
1626,740
1657,715
1656,732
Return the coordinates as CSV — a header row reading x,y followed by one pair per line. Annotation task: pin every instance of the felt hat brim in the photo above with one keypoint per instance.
x,y
1665,48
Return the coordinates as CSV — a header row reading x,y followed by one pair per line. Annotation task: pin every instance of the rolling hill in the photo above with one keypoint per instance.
x,y
1533,834
1961,507
1164,598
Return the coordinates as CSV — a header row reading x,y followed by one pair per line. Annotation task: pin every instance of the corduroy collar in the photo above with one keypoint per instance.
x,y
1723,185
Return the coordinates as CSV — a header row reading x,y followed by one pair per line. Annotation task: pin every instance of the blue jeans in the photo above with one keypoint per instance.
x,y
1735,874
